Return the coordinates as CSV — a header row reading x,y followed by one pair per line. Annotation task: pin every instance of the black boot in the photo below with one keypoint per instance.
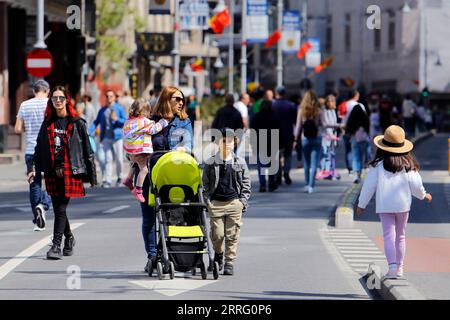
x,y
69,243
228,270
54,253
218,257
287,178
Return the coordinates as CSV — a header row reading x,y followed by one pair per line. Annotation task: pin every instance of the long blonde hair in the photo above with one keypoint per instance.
x,y
163,108
140,107
310,106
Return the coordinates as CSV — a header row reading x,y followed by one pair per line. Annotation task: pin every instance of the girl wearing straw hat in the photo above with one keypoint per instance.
x,y
394,176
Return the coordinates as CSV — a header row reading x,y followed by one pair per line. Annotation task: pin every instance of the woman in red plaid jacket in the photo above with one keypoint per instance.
x,y
65,155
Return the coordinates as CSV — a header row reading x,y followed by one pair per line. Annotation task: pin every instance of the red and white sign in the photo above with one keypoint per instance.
x,y
39,63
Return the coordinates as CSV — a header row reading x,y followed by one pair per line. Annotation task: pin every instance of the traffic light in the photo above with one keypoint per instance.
x,y
91,51
425,92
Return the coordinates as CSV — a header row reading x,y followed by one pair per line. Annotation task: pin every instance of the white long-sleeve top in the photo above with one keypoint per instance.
x,y
394,191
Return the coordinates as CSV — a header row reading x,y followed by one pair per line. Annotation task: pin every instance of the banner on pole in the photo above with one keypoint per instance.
x,y
194,15
291,31
159,7
313,55
257,21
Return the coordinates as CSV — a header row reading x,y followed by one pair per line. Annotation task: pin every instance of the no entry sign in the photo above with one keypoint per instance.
x,y
39,63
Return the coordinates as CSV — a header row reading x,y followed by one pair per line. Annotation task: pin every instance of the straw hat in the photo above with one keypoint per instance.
x,y
393,140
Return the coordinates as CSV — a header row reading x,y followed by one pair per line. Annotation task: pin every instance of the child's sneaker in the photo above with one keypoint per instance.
x,y
128,183
392,273
400,271
137,193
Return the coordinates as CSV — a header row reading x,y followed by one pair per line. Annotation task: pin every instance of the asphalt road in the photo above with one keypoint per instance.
x,y
284,252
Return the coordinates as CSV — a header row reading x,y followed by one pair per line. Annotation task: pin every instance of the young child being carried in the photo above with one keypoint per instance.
x,y
138,131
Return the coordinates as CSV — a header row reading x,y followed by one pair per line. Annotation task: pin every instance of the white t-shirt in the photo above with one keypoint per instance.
x,y
31,112
242,108
394,191
350,105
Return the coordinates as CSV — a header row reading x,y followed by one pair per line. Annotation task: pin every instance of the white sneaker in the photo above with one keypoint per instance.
x,y
40,216
310,189
400,271
392,273
36,228
306,188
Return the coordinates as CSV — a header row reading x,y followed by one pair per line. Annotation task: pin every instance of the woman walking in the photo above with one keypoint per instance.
x,y
308,128
358,128
171,106
394,176
64,153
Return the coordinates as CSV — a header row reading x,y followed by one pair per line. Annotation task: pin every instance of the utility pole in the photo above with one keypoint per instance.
x,y
305,30
244,48
40,25
176,47
83,34
231,50
279,46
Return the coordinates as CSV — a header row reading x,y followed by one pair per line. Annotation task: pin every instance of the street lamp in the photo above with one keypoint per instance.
x,y
406,8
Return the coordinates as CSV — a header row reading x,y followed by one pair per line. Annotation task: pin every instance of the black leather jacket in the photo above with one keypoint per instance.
x,y
80,152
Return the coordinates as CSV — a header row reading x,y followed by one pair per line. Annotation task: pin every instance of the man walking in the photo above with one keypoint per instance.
x,y
286,112
409,111
111,118
29,119
228,116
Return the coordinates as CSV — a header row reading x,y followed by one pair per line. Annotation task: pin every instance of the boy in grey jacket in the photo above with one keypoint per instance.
x,y
226,189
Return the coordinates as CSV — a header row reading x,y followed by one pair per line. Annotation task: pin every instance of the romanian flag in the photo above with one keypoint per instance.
x,y
324,65
197,65
220,21
273,39
303,50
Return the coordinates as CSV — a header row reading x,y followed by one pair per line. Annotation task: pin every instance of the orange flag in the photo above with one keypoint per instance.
x,y
303,50
197,65
324,65
220,21
273,39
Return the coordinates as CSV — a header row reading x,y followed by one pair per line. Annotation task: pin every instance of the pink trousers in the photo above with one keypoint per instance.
x,y
394,226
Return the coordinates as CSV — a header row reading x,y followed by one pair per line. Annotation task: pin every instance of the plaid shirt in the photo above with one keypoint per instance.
x,y
73,186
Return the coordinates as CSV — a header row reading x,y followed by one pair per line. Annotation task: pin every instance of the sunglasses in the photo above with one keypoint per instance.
x,y
178,99
58,98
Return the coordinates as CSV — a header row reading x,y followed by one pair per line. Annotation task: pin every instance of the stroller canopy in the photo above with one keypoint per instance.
x,y
176,168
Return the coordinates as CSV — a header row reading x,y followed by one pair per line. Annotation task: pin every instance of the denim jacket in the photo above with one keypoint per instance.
x,y
117,125
180,134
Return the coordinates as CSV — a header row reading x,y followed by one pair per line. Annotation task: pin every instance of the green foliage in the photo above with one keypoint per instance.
x,y
209,107
110,14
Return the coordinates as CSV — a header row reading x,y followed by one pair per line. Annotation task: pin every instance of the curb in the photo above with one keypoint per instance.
x,y
344,215
391,289
9,158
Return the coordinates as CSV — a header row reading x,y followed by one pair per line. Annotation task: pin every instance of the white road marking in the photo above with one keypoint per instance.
x,y
115,209
349,241
173,287
375,255
348,237
13,263
14,205
368,260
344,252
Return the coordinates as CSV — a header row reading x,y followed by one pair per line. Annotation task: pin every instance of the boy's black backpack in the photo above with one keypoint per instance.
x,y
310,128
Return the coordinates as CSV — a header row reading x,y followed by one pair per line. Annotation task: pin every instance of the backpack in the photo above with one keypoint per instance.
x,y
310,128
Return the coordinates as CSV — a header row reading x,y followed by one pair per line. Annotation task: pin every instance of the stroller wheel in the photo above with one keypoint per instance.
x,y
172,270
159,269
216,270
203,271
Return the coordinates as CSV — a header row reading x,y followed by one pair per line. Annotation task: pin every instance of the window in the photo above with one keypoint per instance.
x,y
391,31
377,39
348,34
329,35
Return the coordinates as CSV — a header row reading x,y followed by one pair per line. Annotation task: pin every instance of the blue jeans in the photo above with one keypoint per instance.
x,y
359,155
262,176
311,150
148,229
37,195
348,151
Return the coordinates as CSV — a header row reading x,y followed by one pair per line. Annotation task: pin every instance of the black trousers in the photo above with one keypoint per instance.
x,y
61,225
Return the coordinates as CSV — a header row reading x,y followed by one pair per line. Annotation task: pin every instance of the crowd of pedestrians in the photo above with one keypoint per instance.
x,y
63,137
